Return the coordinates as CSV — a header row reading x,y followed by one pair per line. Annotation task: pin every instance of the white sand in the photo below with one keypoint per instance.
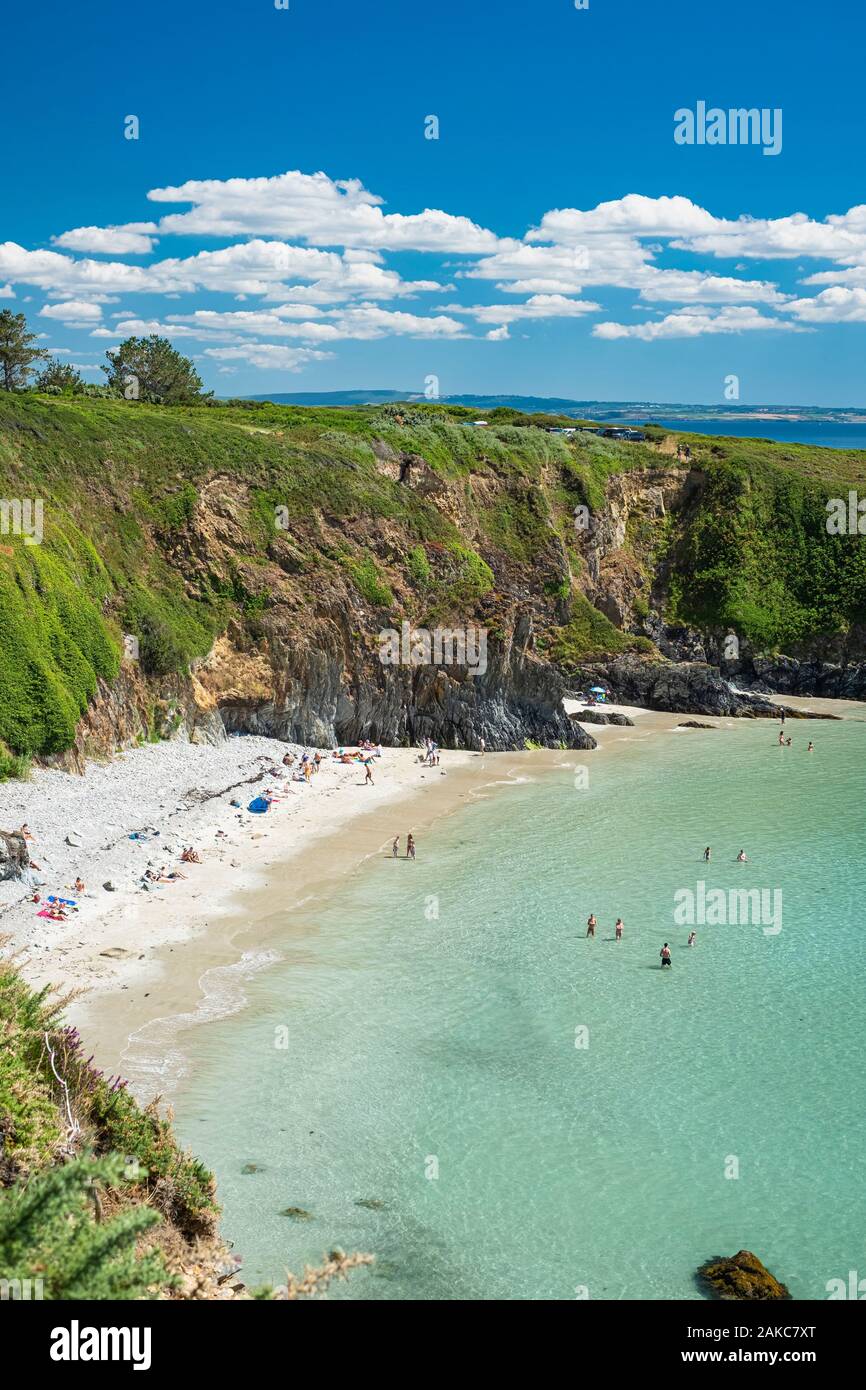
x,y
168,786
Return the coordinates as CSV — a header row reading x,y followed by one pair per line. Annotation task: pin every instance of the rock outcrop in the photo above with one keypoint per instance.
x,y
741,1276
14,857
687,687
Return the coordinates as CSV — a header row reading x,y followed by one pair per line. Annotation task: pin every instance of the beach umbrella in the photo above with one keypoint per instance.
x,y
597,690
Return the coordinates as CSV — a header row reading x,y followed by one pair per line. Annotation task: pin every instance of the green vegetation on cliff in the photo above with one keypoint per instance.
x,y
175,524
96,1198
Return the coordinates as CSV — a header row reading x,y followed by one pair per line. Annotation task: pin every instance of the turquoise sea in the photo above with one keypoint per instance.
x,y
443,1071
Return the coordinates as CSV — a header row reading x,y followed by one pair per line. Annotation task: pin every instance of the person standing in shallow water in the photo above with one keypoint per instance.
x,y
665,954
707,855
591,924
410,847
395,848
618,929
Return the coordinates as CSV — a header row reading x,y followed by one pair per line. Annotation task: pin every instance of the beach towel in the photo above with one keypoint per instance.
x,y
46,913
64,902
258,806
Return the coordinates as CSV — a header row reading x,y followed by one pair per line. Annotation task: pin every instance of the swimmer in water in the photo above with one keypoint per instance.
x,y
665,954
741,857
811,748
591,924
692,938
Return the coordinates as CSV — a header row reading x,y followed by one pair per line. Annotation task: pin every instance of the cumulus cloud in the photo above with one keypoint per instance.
x,y
306,256
316,209
269,355
362,321
134,238
694,323
633,214
72,311
836,305
539,306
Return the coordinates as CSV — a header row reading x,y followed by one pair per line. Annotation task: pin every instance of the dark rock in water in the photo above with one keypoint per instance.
x,y
696,724
251,1168
622,720
371,1203
741,1276
589,716
297,1213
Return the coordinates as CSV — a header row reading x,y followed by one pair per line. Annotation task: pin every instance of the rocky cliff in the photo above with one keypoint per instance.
x,y
219,568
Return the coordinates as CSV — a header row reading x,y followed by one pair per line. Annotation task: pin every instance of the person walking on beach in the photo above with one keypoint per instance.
x,y
410,847
591,924
481,746
395,848
369,769
665,954
618,929
707,855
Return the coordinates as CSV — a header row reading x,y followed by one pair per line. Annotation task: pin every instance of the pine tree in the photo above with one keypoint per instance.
x,y
17,354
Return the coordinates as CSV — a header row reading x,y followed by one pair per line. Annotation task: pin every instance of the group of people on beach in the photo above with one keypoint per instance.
x,y
410,847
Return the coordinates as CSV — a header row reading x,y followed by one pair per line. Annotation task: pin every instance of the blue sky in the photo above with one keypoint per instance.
x,y
570,246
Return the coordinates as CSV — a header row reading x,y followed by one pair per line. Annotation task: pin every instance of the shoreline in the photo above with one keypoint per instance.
x,y
178,957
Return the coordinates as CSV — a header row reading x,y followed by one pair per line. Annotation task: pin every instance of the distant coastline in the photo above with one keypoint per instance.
x,y
832,427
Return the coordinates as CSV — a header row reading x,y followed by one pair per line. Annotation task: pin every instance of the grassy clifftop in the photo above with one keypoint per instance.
x,y
160,522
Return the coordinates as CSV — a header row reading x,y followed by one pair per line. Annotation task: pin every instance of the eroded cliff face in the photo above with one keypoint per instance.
x,y
627,576
306,665
624,577
304,662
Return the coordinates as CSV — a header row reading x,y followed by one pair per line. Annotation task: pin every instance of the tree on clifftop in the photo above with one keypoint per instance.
x,y
149,369
59,377
17,354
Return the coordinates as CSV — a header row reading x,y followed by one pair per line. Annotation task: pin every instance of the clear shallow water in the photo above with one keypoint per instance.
x,y
410,1038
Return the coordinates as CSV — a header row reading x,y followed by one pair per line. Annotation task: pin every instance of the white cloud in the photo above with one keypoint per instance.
x,y
73,311
131,239
6,292
696,286
540,306
316,209
634,214
836,305
269,355
694,323
362,321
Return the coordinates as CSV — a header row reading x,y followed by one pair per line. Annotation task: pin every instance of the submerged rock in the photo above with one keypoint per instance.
x,y
371,1203
297,1213
696,724
251,1168
741,1276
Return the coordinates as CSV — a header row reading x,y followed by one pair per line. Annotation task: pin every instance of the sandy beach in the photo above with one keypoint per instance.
x,y
135,959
